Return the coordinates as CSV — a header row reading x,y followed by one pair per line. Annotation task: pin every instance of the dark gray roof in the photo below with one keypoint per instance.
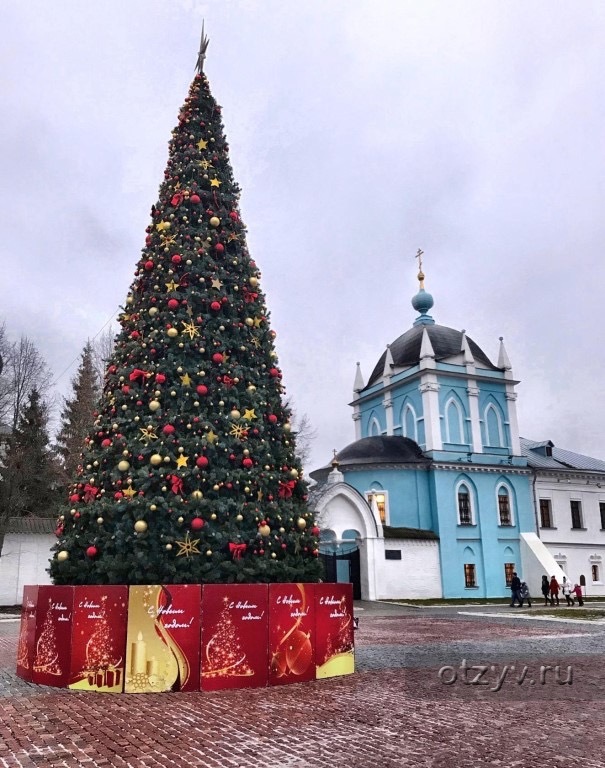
x,y
447,342
560,459
31,525
380,449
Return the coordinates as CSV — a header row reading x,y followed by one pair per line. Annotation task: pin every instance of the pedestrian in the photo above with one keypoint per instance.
x,y
524,594
515,586
545,589
566,589
577,590
554,590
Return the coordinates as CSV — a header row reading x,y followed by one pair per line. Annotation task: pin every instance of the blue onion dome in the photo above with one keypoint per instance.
x,y
422,302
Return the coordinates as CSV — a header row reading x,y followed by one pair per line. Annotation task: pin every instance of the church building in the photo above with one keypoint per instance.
x,y
434,496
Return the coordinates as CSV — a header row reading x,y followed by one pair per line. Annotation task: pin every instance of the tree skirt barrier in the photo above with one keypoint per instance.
x,y
184,637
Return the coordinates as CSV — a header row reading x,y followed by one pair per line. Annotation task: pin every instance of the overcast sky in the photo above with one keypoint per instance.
x,y
359,132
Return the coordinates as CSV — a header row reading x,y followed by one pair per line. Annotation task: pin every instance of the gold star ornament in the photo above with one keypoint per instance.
x,y
202,144
191,329
249,414
182,461
147,434
241,433
185,380
215,182
188,546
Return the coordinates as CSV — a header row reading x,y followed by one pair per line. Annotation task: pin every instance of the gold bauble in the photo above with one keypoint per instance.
x,y
214,221
180,520
156,460
264,530
100,520
123,466
140,526
287,426
208,552
213,516
251,388
153,508
153,311
239,518
155,405
197,495
172,332
273,554
249,321
215,487
301,523
235,414
293,472
168,547
253,281
62,555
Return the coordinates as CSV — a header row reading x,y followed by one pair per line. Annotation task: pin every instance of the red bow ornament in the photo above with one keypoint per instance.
x,y
237,550
286,489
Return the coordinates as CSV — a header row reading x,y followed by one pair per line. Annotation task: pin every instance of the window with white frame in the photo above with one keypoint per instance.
x,y
545,513
505,514
493,427
408,423
382,502
595,569
576,513
374,429
454,426
470,575
465,505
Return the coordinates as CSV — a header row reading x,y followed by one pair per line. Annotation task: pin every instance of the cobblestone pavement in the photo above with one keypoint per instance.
x,y
414,701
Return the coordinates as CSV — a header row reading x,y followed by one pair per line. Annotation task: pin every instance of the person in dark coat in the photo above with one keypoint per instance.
x,y
515,586
545,589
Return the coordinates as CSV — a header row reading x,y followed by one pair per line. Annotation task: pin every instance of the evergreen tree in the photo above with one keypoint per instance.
x,y
77,415
29,477
190,473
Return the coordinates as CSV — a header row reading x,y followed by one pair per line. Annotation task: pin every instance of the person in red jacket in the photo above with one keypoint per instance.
x,y
577,591
554,591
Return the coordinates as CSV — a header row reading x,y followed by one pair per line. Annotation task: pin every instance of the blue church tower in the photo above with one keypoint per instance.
x,y
437,457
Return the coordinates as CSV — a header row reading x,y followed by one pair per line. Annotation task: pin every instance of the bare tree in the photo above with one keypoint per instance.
x,y
304,432
102,349
24,369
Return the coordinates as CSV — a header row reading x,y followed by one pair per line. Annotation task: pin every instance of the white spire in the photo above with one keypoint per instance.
x,y
388,362
359,382
426,348
503,361
466,351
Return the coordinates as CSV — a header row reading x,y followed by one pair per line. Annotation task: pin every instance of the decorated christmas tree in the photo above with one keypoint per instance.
x,y
190,472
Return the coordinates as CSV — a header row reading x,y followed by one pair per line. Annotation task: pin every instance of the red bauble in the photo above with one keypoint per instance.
x,y
233,215
202,389
215,306
197,524
247,462
106,443
176,259
135,335
315,531
299,652
272,418
217,357
149,265
219,248
118,495
194,199
91,552
160,378
168,429
274,372
202,461
173,304
74,498
125,389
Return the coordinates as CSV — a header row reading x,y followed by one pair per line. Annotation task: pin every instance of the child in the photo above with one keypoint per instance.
x,y
577,591
524,594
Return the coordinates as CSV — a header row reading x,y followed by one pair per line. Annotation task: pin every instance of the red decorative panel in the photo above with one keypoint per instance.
x,y
27,633
291,633
234,636
52,651
334,645
99,638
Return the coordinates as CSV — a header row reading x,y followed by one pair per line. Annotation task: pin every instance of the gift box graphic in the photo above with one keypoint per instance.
x,y
163,638
99,638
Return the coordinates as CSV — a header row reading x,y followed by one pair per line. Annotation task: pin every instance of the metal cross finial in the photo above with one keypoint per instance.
x,y
199,66
418,256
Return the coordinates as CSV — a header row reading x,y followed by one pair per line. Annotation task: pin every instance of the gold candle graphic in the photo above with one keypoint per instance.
x,y
152,667
138,664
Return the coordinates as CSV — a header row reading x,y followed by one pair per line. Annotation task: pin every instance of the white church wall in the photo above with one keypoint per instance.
x,y
24,560
416,576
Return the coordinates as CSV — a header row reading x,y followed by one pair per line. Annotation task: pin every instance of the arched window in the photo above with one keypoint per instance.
x,y
470,569
505,511
454,425
374,429
493,427
408,423
465,505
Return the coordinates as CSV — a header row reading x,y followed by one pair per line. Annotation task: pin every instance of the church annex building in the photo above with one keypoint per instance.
x,y
439,496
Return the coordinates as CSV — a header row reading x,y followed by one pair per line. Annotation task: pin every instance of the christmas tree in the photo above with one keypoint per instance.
x,y
190,473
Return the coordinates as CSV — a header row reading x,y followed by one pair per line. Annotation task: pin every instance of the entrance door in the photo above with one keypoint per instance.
x,y
342,566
